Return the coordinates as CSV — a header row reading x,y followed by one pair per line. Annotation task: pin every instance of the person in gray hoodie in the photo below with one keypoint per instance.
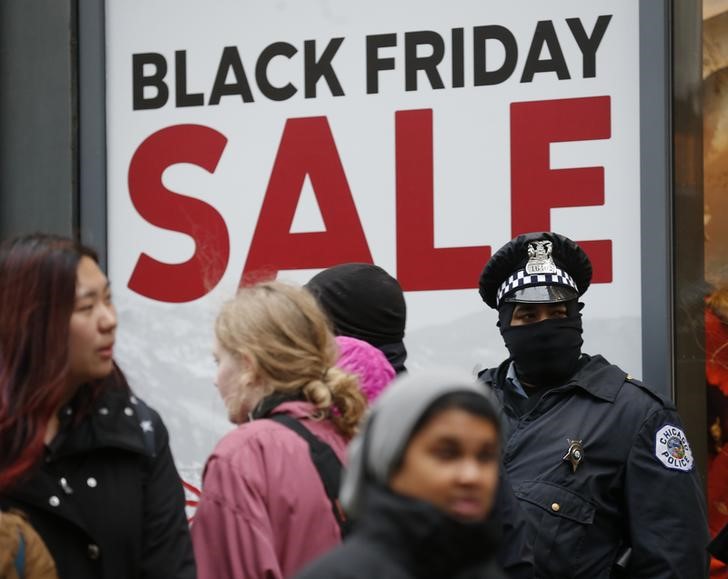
x,y
421,484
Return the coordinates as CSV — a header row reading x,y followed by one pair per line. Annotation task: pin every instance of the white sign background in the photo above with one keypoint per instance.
x,y
165,349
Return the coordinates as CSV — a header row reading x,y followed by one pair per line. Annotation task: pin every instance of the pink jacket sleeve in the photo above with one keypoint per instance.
x,y
231,533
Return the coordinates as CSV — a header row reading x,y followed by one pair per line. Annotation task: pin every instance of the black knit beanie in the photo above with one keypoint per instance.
x,y
362,301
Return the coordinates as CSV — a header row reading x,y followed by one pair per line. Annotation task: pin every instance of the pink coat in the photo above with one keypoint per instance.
x,y
264,513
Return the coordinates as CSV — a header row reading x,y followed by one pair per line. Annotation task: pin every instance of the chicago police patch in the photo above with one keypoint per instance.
x,y
672,448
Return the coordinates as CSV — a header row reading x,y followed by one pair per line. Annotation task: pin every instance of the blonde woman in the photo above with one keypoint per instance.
x,y
265,511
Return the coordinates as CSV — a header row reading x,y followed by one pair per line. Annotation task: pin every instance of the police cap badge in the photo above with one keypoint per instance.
x,y
538,267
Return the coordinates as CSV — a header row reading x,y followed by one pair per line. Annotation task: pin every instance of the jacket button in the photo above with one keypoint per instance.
x,y
93,552
128,411
54,501
65,486
555,507
92,482
104,411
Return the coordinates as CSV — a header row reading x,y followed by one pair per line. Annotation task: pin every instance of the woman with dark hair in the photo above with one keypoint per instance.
x,y
421,482
80,455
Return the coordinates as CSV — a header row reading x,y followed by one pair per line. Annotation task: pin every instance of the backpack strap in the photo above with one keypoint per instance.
x,y
20,556
327,464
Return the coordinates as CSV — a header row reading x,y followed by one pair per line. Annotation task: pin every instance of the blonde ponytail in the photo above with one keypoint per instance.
x,y
338,396
281,328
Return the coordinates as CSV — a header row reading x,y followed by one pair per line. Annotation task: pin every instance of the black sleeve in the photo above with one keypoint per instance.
x,y
167,548
515,555
665,503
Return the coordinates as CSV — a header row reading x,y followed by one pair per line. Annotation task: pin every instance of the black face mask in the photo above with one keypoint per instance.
x,y
545,353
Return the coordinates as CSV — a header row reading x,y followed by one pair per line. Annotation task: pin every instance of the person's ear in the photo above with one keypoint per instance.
x,y
249,368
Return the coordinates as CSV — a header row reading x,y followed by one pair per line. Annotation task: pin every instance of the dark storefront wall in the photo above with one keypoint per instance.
x,y
38,120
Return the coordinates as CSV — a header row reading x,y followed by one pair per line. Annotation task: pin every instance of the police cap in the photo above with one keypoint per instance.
x,y
538,267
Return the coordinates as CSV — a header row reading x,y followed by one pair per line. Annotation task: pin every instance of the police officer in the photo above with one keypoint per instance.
x,y
599,461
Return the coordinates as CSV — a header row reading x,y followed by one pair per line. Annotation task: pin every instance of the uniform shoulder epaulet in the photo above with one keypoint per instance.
x,y
495,376
487,376
647,390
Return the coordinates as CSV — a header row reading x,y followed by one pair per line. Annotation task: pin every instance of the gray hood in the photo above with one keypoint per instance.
x,y
379,446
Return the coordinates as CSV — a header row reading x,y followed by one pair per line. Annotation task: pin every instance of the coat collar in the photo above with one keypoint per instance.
x,y
599,378
595,375
112,422
271,404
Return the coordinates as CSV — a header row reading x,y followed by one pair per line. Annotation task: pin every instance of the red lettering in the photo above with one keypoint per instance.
x,y
179,282
420,265
536,188
307,148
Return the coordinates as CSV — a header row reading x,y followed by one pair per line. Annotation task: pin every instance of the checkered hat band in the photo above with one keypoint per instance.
x,y
521,279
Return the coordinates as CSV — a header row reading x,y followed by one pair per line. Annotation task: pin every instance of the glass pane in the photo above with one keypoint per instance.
x,y
715,150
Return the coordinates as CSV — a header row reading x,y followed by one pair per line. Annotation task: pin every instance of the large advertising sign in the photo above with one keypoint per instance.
x,y
253,138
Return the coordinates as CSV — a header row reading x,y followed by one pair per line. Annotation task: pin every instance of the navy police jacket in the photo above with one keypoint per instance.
x,y
602,464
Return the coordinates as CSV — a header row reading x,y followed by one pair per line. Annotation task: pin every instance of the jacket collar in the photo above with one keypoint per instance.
x,y
599,378
595,376
112,422
271,403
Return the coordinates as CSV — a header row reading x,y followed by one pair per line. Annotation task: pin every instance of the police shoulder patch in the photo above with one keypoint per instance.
x,y
672,448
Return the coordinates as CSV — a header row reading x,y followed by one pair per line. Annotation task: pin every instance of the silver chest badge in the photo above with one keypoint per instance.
x,y
539,258
575,454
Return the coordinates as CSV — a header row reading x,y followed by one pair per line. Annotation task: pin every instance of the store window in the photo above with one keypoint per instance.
x,y
715,179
